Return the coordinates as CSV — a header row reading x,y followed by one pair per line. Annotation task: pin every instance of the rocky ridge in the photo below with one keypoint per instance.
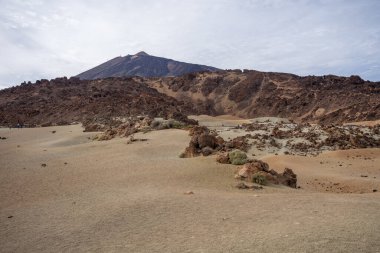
x,y
248,94
98,104
251,94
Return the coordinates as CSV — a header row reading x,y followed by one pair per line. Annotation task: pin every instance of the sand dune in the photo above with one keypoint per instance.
x,y
110,196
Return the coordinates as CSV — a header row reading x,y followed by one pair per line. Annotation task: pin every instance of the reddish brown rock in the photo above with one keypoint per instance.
x,y
201,143
248,170
258,171
288,178
239,142
223,158
198,130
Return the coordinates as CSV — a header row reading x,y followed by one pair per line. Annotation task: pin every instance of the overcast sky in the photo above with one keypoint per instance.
x,y
47,39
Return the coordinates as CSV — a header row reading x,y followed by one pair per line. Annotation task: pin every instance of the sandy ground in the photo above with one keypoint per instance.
x,y
116,197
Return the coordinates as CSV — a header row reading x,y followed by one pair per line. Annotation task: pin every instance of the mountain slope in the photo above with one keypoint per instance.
x,y
62,101
249,94
144,65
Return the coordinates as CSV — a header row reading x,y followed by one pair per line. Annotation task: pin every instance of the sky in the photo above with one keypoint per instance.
x,y
55,38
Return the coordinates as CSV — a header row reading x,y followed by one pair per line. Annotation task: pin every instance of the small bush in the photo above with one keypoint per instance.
x,y
237,157
167,124
154,124
176,124
259,179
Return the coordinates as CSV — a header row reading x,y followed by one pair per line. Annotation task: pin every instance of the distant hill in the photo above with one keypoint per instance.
x,y
144,65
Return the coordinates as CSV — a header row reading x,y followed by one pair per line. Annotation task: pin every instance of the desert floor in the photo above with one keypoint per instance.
x,y
110,196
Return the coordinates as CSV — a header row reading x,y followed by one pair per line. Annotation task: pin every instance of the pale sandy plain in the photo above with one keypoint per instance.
x,y
111,196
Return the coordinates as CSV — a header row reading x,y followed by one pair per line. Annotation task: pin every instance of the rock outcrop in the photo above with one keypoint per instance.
x,y
201,143
258,172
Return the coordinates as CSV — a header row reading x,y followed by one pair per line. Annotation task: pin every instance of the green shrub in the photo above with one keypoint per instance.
x,y
237,157
259,179
154,124
175,124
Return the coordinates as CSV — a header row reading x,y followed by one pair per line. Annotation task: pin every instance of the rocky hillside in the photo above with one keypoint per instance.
x,y
142,64
62,101
249,94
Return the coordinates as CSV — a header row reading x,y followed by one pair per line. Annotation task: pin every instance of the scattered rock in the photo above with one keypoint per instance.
x,y
107,135
223,158
239,142
198,130
242,185
133,139
93,127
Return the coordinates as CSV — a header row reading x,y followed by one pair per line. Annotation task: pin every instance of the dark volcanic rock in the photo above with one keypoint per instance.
x,y
97,104
207,140
318,99
288,178
202,142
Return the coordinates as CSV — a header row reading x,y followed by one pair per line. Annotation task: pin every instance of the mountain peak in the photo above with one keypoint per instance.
x,y
141,53
142,64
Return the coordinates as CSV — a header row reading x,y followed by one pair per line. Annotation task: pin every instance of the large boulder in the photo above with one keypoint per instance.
x,y
201,142
247,171
258,172
288,178
207,140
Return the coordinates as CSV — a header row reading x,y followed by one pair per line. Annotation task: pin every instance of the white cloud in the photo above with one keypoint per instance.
x,y
46,39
